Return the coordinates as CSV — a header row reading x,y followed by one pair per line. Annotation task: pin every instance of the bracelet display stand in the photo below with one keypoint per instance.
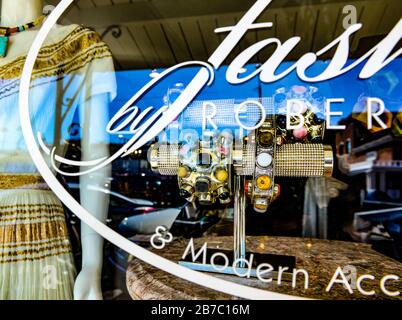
x,y
239,254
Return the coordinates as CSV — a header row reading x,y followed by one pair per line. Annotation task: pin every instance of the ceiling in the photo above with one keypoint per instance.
x,y
161,33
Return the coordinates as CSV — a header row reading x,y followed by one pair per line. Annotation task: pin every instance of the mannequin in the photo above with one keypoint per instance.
x,y
93,119
18,12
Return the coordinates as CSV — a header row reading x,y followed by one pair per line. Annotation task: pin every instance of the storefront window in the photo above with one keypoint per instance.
x,y
171,149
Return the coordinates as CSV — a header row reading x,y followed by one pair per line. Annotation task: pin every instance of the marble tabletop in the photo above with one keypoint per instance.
x,y
320,258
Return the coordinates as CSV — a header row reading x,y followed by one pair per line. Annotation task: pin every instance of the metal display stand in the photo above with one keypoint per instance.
x,y
239,234
239,247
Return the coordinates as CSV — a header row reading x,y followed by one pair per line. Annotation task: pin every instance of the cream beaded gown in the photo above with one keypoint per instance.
x,y
35,252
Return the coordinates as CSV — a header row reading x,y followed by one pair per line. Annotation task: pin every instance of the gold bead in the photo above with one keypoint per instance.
x,y
221,175
263,182
182,172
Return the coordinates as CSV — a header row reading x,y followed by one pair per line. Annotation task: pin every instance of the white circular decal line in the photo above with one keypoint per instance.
x,y
153,259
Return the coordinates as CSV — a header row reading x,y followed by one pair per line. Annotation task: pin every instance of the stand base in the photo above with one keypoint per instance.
x,y
219,266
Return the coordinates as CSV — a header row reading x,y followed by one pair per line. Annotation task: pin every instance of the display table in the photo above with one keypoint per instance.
x,y
320,258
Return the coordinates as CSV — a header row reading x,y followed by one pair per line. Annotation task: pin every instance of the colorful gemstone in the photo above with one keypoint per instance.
x,y
3,46
264,159
263,182
182,172
300,133
265,139
299,89
221,175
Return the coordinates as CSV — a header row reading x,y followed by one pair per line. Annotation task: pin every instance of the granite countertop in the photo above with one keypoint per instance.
x,y
320,258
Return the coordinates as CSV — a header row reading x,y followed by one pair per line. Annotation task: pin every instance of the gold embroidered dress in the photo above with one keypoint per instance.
x,y
36,259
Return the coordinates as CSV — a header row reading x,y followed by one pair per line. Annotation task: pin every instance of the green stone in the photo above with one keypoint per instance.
x,y
3,46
